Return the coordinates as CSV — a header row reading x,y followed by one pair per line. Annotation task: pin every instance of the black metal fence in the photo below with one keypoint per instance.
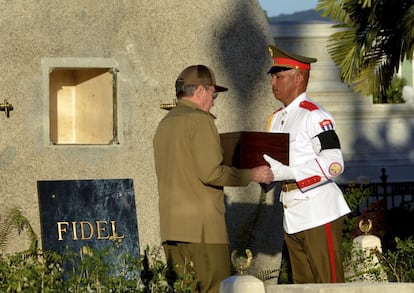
x,y
393,194
390,206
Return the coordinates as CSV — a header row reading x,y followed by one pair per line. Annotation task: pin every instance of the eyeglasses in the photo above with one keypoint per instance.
x,y
215,94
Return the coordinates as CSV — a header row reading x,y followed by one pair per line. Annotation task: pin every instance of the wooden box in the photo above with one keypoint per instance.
x,y
245,149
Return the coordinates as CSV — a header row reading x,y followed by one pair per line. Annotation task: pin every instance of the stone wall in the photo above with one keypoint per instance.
x,y
148,43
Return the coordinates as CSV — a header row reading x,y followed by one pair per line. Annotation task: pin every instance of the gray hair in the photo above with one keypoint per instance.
x,y
185,91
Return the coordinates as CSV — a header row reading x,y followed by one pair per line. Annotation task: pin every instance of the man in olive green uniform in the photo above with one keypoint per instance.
x,y
188,162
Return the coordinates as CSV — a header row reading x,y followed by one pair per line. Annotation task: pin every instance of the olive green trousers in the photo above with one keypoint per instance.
x,y
316,254
208,263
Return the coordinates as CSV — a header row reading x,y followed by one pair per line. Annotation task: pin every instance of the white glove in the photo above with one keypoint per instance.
x,y
280,171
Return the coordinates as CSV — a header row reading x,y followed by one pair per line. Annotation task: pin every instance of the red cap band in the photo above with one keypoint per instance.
x,y
287,62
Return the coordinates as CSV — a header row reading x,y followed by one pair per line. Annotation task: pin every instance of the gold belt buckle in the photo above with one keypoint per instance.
x,y
288,186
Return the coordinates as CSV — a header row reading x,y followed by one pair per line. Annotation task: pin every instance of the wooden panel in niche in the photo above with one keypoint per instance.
x,y
82,106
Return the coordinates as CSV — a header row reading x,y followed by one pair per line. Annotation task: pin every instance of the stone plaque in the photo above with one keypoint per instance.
x,y
89,213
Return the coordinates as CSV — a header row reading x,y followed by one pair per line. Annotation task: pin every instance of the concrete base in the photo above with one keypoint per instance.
x,y
242,284
343,288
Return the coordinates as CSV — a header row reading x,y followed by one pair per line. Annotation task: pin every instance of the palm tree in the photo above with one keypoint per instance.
x,y
374,37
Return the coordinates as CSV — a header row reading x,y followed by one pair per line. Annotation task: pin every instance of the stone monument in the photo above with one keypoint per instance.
x,y
106,67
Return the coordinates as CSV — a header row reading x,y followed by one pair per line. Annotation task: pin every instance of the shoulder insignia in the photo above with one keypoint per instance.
x,y
335,169
326,124
308,105
269,120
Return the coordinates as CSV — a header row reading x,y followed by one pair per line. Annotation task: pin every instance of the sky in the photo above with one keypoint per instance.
x,y
277,7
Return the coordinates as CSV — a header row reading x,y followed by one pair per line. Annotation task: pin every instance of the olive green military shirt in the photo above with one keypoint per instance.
x,y
188,163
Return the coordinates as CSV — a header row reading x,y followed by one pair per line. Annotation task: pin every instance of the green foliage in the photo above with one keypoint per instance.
x,y
355,195
27,271
15,220
31,272
90,270
399,263
393,94
160,271
394,265
285,274
370,44
93,270
363,265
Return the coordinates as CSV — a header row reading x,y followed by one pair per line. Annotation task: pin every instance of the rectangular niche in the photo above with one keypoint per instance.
x,y
82,106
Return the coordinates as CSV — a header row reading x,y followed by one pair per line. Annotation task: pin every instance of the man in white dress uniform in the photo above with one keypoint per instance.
x,y
314,206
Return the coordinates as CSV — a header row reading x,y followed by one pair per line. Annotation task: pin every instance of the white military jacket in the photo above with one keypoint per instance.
x,y
314,160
